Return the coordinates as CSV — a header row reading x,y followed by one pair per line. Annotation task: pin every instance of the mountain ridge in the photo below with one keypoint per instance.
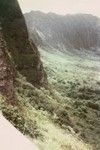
x,y
80,31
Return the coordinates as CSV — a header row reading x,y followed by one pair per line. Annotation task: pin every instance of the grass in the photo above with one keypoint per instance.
x,y
76,80
37,124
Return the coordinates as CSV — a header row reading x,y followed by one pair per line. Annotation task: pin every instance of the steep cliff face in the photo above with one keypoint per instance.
x,y
17,53
24,54
6,74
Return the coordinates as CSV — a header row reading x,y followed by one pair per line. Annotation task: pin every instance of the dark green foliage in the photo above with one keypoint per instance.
x,y
47,101
15,116
63,117
27,127
93,105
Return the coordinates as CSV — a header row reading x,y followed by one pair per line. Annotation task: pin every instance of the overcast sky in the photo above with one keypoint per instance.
x,y
62,6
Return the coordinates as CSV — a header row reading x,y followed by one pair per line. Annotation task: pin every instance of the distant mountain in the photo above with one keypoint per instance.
x,y
80,31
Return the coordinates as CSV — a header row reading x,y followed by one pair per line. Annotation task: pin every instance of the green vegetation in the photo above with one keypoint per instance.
x,y
65,115
38,123
76,80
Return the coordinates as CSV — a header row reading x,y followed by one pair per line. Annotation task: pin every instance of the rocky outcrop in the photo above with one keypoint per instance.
x,y
24,53
17,53
6,74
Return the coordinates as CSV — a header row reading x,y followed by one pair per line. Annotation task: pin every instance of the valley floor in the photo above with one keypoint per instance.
x,y
76,79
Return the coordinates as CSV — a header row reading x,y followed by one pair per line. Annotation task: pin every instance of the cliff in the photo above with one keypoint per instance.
x,y
17,53
24,53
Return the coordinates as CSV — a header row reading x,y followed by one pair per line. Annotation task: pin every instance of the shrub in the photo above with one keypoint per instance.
x,y
93,105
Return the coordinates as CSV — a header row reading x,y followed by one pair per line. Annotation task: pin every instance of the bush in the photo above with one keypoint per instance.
x,y
93,105
63,117
25,125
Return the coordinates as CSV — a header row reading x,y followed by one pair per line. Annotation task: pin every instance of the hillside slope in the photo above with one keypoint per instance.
x,y
76,82
16,141
7,73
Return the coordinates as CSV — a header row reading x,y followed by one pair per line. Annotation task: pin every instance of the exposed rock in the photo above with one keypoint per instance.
x,y
17,53
23,52
6,74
